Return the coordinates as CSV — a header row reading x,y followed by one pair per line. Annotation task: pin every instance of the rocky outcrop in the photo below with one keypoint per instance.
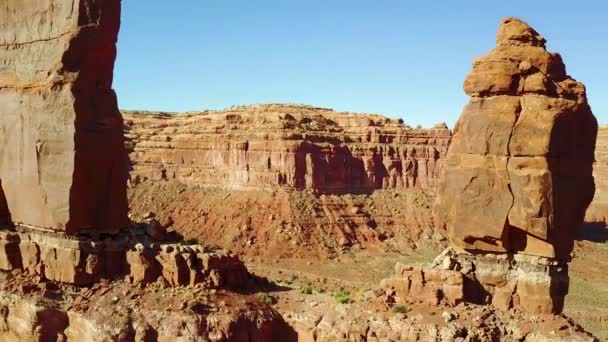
x,y
521,160
598,210
35,310
286,146
84,262
381,315
528,283
62,164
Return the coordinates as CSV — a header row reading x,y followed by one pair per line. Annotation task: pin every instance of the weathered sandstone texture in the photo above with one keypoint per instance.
x,y
598,210
529,283
519,170
62,161
518,181
286,146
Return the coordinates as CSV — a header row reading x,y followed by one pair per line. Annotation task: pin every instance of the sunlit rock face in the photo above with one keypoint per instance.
x,y
62,159
519,170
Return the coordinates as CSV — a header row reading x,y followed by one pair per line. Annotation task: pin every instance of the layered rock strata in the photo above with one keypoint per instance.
x,y
532,284
83,261
518,180
284,146
62,164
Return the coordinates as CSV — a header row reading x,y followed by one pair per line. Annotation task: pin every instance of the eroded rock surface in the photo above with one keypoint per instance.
x,y
36,310
62,164
285,146
532,284
521,160
135,256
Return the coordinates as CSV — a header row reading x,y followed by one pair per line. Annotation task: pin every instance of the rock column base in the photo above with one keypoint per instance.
x,y
535,285
83,262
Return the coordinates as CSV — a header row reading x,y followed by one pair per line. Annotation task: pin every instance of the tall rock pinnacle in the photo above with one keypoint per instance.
x,y
519,171
62,158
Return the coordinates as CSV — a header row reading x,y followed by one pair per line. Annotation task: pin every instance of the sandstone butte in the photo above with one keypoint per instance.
x,y
62,164
518,179
523,151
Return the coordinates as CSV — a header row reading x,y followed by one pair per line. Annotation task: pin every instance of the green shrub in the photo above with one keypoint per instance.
x,y
400,309
266,298
360,295
342,297
319,290
306,290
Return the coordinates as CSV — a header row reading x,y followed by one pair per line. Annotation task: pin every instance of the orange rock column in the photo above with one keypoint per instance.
x,y
520,165
518,173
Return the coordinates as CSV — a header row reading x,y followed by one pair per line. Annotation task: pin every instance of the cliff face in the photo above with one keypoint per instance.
x,y
58,112
598,210
298,147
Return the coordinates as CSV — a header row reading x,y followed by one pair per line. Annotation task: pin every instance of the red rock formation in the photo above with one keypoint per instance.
x,y
284,146
62,164
518,181
520,165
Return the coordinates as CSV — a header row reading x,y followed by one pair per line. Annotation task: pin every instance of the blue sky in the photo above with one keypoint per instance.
x,y
399,58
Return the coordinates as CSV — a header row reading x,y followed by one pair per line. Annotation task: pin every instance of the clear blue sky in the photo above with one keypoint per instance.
x,y
399,58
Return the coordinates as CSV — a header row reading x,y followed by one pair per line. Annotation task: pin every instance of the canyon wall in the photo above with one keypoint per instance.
x,y
287,146
598,210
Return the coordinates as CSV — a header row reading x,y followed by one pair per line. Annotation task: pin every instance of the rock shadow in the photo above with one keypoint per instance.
x,y
336,169
5,214
570,160
593,231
